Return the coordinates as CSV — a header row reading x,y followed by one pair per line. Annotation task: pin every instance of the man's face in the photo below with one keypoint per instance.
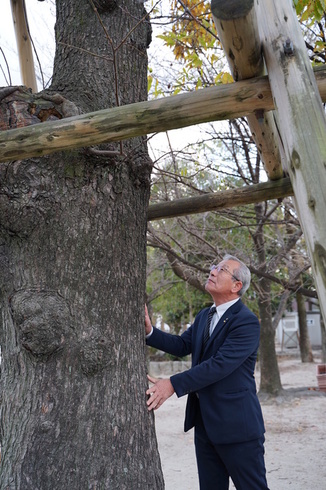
x,y
222,282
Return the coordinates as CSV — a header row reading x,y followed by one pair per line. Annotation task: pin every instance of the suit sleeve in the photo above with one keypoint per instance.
x,y
176,345
240,344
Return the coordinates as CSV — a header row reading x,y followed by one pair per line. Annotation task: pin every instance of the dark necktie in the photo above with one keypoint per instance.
x,y
208,324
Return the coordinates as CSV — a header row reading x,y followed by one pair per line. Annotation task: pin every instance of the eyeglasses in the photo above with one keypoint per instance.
x,y
219,268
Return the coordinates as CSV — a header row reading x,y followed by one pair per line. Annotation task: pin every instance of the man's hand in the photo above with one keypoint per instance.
x,y
148,323
161,390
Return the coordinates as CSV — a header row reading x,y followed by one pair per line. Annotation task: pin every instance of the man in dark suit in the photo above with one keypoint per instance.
x,y
222,401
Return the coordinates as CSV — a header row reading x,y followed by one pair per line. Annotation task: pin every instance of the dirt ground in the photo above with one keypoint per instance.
x,y
295,447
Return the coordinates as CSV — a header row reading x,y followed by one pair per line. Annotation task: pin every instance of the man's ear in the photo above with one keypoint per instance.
x,y
237,285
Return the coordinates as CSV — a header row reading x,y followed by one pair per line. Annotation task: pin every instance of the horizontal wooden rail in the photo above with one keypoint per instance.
x,y
221,200
179,111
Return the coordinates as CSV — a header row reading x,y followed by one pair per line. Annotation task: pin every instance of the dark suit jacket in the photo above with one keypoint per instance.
x,y
221,380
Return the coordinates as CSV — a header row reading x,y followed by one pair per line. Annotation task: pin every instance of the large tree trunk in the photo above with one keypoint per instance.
x,y
73,281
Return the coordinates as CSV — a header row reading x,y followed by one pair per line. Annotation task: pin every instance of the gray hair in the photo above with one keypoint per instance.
x,y
242,273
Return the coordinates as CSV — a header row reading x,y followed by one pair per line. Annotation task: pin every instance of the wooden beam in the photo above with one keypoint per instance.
x,y
221,200
179,111
302,125
237,28
24,45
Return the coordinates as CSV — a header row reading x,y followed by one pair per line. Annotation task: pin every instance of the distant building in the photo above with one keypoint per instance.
x,y
287,332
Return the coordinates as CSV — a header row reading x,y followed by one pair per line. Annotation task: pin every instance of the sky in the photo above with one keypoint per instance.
x,y
41,18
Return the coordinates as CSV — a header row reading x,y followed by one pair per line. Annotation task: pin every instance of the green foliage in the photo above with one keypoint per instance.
x,y
312,15
199,60
179,305
312,10
156,91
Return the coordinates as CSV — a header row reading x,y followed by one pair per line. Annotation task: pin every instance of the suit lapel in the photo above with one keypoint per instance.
x,y
220,327
222,324
217,335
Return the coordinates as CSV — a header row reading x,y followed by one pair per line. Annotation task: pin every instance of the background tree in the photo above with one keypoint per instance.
x,y
73,255
312,15
195,70
263,235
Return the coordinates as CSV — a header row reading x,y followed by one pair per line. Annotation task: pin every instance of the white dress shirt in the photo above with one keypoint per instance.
x,y
220,310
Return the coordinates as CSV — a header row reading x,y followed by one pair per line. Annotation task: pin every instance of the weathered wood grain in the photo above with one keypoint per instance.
x,y
302,125
221,200
24,45
179,111
237,27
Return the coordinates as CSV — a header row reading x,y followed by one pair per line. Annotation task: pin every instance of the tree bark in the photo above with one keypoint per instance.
x,y
270,380
281,308
304,341
73,257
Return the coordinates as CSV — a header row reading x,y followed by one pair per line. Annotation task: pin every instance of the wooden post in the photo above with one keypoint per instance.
x,y
236,24
302,125
237,28
24,45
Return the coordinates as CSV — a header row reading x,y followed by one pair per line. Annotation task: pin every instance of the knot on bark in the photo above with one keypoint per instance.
x,y
105,5
19,107
95,354
42,321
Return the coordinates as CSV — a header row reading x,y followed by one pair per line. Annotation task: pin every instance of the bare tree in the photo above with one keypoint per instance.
x,y
263,235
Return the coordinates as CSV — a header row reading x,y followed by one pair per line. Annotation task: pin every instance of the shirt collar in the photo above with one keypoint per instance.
x,y
221,309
